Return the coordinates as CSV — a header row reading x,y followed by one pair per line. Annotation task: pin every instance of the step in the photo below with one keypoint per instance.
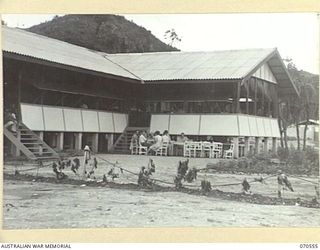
x,y
44,153
32,143
29,139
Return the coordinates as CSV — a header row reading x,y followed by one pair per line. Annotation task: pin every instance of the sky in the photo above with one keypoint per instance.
x,y
296,35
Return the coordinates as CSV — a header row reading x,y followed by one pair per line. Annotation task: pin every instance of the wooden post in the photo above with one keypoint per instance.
x,y
263,100
95,142
274,145
18,110
265,145
40,134
60,138
110,141
78,141
236,147
246,146
237,98
256,146
247,97
255,95
16,149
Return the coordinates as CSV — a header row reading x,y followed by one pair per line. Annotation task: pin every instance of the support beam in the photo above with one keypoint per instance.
x,y
237,99
60,141
236,147
40,134
246,146
17,152
95,142
247,96
256,146
110,141
255,95
265,145
78,141
274,145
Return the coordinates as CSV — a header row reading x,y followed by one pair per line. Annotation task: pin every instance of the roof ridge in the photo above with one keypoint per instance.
x,y
187,52
104,56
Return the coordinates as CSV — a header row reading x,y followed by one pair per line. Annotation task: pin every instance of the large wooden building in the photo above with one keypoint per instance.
x,y
72,96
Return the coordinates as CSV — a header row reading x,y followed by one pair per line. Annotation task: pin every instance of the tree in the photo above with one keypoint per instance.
x,y
172,36
304,108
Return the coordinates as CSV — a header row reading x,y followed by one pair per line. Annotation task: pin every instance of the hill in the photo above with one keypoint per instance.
x,y
106,33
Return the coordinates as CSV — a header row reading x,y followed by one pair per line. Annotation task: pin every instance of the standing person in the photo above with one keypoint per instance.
x,y
86,157
134,140
11,121
157,142
182,138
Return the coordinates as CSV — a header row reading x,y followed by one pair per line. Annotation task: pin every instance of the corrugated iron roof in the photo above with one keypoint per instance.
x,y
157,66
214,65
29,44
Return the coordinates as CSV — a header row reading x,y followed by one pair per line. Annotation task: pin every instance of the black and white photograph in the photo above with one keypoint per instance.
x,y
160,120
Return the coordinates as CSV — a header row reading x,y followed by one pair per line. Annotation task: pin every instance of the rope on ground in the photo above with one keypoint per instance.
x,y
172,183
302,179
35,168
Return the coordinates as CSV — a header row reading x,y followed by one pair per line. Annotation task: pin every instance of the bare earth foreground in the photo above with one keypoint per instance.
x,y
38,205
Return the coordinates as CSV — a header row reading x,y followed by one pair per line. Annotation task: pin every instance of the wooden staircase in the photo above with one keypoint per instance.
x,y
122,144
30,144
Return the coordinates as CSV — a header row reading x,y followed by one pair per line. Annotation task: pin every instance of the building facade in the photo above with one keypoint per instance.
x,y
72,96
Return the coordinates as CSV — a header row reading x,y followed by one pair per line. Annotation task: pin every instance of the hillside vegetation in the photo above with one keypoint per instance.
x,y
106,33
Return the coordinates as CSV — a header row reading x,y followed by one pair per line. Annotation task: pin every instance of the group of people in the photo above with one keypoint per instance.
x,y
154,141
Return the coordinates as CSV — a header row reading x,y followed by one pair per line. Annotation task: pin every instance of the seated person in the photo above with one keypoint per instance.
x,y
157,142
182,138
143,139
150,138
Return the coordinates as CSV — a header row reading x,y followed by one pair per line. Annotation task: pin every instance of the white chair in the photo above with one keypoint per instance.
x,y
207,149
134,148
218,150
190,149
143,150
187,149
228,154
163,150
197,147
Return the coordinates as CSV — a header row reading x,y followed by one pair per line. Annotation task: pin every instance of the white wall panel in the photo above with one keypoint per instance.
x,y
32,116
73,120
106,122
275,128
244,128
260,127
53,119
159,122
264,72
188,124
90,121
120,122
223,125
267,127
253,126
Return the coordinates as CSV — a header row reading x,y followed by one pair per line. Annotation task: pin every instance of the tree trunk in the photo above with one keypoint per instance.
x,y
281,132
285,138
298,136
305,135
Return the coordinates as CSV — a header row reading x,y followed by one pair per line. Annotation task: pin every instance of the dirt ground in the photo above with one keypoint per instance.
x,y
44,205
